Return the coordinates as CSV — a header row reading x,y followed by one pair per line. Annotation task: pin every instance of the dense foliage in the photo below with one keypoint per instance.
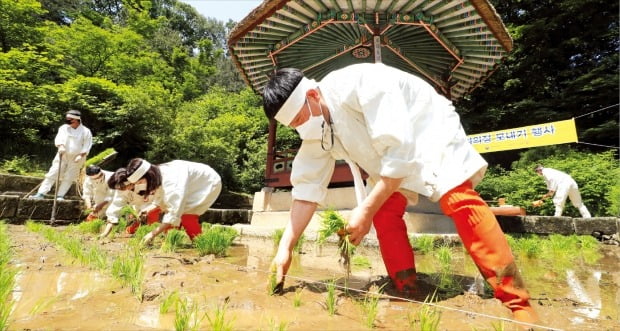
x,y
597,175
152,79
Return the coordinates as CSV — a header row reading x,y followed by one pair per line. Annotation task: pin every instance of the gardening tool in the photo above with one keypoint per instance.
x,y
53,217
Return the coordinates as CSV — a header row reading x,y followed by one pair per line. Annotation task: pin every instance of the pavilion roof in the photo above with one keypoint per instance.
x,y
453,44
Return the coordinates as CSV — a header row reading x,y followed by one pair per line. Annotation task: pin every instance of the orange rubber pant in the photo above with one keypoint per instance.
x,y
394,243
151,217
189,222
488,247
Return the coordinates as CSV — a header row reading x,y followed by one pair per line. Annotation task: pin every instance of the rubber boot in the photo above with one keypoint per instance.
x,y
191,225
488,247
394,242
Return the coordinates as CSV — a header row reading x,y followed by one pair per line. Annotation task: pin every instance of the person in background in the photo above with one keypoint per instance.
x,y
183,190
560,186
73,141
95,192
410,141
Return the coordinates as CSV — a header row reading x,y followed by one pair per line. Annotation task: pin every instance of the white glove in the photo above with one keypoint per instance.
x,y
61,149
78,158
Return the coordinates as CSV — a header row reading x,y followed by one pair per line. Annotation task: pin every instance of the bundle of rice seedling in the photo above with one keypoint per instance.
x,y
333,223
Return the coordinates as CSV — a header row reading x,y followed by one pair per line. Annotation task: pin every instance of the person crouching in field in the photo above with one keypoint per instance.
x,y
183,190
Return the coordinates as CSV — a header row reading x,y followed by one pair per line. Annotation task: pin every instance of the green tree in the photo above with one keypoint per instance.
x,y
19,23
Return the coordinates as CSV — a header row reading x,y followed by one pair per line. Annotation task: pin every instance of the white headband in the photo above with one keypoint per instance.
x,y
291,107
72,116
142,169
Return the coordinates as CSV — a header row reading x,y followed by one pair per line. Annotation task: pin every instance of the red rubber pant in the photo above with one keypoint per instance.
x,y
151,217
488,247
190,223
394,242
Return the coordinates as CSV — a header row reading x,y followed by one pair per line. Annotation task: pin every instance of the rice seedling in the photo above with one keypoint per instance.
x,y
331,299
274,287
277,237
219,321
297,298
169,301
370,307
427,318
333,223
187,316
140,233
93,226
7,277
129,269
446,279
277,326
216,240
423,244
173,240
42,304
361,262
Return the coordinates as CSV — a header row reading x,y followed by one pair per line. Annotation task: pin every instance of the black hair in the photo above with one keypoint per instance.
x,y
279,87
92,170
153,175
119,177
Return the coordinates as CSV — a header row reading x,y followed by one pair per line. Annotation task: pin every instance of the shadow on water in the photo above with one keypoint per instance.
x,y
52,292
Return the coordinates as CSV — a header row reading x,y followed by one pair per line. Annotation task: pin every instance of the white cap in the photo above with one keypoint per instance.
x,y
295,101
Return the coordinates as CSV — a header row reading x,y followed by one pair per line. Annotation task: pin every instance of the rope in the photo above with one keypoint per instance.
x,y
615,147
592,112
387,296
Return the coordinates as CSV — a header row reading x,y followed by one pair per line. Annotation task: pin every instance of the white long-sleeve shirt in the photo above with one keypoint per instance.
x,y
391,124
96,191
76,141
556,178
124,198
187,188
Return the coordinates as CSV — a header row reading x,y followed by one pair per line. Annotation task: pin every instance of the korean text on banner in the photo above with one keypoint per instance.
x,y
552,133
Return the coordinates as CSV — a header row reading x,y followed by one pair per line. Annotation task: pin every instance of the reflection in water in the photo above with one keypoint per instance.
x,y
590,296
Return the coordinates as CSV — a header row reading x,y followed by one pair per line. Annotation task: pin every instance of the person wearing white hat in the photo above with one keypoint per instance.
x,y
95,191
561,186
182,190
73,141
409,140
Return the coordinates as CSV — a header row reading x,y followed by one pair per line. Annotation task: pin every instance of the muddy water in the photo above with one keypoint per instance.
x,y
53,293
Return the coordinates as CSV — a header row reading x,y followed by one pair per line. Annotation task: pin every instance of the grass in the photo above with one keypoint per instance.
x,y
427,318
187,316
423,244
93,226
297,298
361,262
370,308
7,277
331,299
277,237
216,240
173,240
277,326
169,301
129,269
218,321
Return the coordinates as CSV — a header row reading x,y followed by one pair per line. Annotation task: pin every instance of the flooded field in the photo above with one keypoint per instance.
x,y
182,290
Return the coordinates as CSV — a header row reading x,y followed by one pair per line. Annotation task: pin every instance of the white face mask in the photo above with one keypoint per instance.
x,y
312,129
139,187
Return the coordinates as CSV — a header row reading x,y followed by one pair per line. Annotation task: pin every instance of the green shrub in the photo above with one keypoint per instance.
x,y
597,175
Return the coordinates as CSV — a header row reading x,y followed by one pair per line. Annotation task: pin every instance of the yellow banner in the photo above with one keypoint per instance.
x,y
525,137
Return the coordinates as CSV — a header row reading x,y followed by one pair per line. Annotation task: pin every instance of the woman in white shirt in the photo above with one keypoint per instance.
x,y
183,190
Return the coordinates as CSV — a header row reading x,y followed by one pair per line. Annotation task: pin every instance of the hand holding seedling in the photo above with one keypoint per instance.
x,y
537,203
358,225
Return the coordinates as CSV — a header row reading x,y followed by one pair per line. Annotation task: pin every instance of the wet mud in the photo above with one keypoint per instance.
x,y
53,292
